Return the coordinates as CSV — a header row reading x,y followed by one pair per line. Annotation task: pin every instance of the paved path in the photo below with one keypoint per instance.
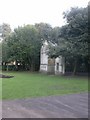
x,y
66,106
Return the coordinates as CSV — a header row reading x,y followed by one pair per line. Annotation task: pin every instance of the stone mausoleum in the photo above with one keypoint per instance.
x,y
51,65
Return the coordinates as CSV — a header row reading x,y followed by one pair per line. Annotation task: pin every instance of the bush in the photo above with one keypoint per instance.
x,y
10,67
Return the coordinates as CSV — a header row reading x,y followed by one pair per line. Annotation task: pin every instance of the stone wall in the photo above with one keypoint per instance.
x,y
51,65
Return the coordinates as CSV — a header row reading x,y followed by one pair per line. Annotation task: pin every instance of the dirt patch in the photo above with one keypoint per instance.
x,y
5,76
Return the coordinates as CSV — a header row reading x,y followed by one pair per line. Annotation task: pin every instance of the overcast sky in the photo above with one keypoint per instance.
x,y
20,12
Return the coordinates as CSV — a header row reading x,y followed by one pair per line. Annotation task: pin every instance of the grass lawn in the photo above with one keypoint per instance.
x,y
0,88
26,84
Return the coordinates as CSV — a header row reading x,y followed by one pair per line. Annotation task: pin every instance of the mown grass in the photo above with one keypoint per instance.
x,y
26,84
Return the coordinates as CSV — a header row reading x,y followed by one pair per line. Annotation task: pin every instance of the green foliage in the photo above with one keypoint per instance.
x,y
44,31
55,34
0,52
24,46
71,41
4,51
72,38
5,30
76,31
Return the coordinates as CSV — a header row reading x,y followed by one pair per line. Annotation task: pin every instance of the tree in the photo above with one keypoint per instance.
x,y
44,31
5,30
0,56
55,34
73,37
24,47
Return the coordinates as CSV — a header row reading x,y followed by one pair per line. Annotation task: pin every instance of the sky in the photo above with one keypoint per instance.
x,y
22,12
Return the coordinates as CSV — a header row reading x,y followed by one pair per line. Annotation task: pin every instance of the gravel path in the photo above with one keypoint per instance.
x,y
66,106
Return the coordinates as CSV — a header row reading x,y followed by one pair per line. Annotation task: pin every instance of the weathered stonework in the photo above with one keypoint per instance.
x,y
51,65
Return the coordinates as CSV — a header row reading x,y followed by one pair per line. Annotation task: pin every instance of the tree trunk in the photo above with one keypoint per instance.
x,y
30,63
32,67
16,65
75,67
7,67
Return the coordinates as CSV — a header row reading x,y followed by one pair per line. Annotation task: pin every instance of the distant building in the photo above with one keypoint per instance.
x,y
51,65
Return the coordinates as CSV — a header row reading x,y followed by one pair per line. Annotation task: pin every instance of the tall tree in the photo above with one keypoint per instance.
x,y
44,31
55,32
73,37
5,30
24,47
